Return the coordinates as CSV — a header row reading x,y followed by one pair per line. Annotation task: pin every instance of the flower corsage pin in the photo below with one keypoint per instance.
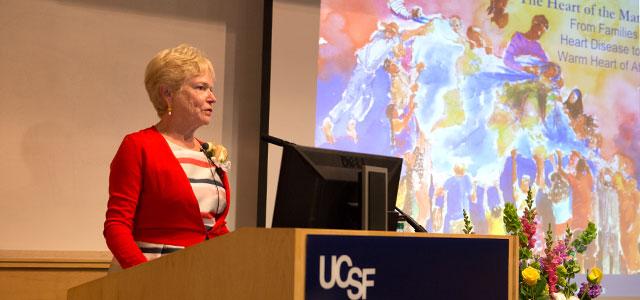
x,y
218,155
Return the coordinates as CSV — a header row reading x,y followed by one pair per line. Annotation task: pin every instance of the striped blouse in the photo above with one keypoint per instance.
x,y
206,183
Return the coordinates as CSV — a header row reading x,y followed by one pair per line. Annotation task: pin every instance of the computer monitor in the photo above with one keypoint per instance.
x,y
322,188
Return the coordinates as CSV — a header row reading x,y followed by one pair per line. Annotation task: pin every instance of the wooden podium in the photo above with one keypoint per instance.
x,y
256,263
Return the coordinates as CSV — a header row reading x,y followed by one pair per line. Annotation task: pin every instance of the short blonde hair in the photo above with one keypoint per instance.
x,y
170,68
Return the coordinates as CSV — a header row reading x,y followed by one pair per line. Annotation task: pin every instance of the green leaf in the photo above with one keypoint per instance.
x,y
511,220
562,281
536,264
561,271
572,267
539,287
585,238
542,297
572,288
468,224
525,253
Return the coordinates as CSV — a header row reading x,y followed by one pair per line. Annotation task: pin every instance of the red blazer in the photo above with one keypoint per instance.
x,y
151,200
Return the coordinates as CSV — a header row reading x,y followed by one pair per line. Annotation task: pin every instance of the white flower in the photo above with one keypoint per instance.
x,y
559,296
573,298
224,165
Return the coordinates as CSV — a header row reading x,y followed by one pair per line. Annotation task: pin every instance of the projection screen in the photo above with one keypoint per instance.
x,y
484,100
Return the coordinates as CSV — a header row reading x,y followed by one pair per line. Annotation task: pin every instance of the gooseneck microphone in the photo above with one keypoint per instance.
x,y
417,227
275,141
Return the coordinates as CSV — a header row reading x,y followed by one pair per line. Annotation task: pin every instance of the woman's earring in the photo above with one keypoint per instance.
x,y
169,110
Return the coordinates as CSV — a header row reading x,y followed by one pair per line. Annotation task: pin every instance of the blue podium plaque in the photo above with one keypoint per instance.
x,y
392,267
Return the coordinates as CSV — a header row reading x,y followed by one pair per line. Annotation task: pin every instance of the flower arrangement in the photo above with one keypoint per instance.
x,y
218,155
550,274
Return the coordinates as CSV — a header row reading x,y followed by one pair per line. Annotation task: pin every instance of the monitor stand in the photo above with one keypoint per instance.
x,y
375,210
376,215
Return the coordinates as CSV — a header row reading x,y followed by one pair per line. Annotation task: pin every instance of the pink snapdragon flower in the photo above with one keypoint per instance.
x,y
529,229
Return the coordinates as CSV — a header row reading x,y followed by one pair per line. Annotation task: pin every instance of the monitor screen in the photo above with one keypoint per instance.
x,y
321,188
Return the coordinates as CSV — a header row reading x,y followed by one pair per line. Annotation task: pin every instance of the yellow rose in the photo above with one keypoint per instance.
x,y
216,152
530,276
220,153
595,275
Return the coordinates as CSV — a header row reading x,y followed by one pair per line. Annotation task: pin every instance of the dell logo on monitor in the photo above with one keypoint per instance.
x,y
351,162
356,278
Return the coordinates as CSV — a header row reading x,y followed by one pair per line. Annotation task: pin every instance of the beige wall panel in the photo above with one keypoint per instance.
x,y
71,86
293,81
47,275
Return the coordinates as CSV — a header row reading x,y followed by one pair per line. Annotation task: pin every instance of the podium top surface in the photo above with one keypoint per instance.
x,y
283,263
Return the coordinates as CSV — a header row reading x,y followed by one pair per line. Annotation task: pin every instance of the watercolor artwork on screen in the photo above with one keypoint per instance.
x,y
485,100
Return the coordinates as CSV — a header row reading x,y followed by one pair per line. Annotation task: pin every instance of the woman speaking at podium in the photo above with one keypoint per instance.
x,y
167,189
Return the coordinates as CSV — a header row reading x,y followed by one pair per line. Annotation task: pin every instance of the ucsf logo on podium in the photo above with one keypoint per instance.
x,y
356,282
